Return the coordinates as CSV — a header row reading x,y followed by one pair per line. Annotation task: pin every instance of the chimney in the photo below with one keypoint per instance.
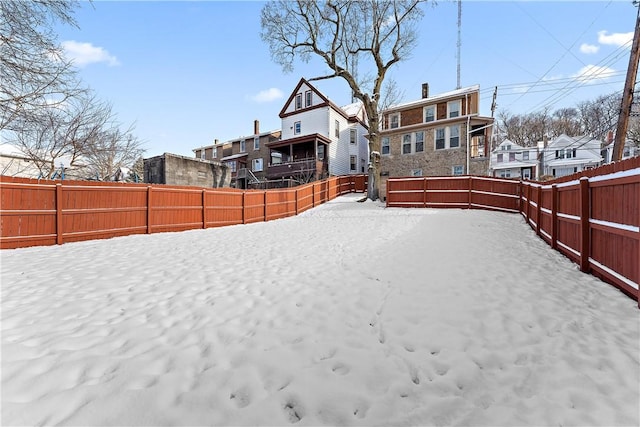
x,y
256,127
215,141
425,90
610,137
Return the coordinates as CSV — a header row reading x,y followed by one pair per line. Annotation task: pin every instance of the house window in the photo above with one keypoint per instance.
x,y
297,127
257,165
406,144
500,158
419,141
454,109
415,172
512,157
384,145
307,98
214,153
526,173
353,160
232,165
353,136
202,154
394,121
457,170
505,173
243,146
337,129
525,155
429,113
298,101
440,139
321,152
454,136
256,143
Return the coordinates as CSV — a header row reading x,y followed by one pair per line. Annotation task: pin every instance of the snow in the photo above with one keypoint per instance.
x,y
348,314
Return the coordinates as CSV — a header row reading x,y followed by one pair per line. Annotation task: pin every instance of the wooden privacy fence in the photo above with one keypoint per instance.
x,y
454,192
592,218
34,213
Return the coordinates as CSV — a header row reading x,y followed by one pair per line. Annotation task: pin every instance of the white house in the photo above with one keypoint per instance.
x,y
510,160
566,155
318,137
629,150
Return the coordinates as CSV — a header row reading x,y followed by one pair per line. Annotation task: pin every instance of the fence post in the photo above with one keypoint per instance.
x,y
296,190
585,228
265,205
149,209
313,195
204,209
59,230
554,216
528,215
424,195
539,210
244,215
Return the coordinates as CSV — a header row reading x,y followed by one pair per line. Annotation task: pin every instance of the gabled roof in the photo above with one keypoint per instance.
x,y
430,100
349,112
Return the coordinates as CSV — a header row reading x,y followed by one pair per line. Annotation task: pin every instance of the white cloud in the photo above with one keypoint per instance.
x,y
83,54
616,39
268,95
589,48
593,74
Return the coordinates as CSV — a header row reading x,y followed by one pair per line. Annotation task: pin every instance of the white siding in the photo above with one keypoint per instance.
x,y
312,122
315,99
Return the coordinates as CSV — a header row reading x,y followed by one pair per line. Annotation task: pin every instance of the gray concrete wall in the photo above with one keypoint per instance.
x,y
173,169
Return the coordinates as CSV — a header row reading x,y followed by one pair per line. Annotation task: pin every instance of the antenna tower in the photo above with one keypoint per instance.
x,y
459,42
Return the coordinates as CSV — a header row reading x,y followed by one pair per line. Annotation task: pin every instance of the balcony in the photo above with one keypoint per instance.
x,y
309,167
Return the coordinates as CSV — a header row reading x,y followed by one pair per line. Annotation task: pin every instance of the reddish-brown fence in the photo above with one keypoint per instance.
x,y
593,218
594,221
36,212
454,192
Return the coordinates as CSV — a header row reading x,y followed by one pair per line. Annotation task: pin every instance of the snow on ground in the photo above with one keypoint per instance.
x,y
349,314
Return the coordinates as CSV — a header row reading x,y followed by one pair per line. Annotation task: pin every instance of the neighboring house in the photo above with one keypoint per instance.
x,y
247,157
436,136
318,138
173,169
629,150
13,162
566,155
510,160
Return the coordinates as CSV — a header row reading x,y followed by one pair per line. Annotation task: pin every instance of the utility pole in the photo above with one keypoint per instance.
x,y
493,102
459,41
627,94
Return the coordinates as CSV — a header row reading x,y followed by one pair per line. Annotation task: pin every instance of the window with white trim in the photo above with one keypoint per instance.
x,y
415,172
394,121
499,158
384,146
307,98
406,143
214,153
297,128
243,146
457,170
440,139
353,136
429,113
298,101
353,163
256,143
337,129
525,155
419,137
453,109
512,157
505,173
320,152
454,136
202,154
256,165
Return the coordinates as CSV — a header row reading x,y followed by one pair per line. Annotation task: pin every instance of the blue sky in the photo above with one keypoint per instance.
x,y
190,72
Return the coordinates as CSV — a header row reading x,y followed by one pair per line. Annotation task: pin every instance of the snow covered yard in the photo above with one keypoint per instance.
x,y
349,314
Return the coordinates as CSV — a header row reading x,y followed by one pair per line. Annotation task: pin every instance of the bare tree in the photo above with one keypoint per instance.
x,y
348,36
33,72
82,134
599,116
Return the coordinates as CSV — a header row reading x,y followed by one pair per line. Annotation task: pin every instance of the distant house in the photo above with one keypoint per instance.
x,y
629,150
318,138
13,162
173,169
566,155
246,157
510,160
436,135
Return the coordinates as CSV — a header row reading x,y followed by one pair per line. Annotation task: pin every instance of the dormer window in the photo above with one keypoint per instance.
x,y
298,101
394,121
453,109
307,98
429,113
